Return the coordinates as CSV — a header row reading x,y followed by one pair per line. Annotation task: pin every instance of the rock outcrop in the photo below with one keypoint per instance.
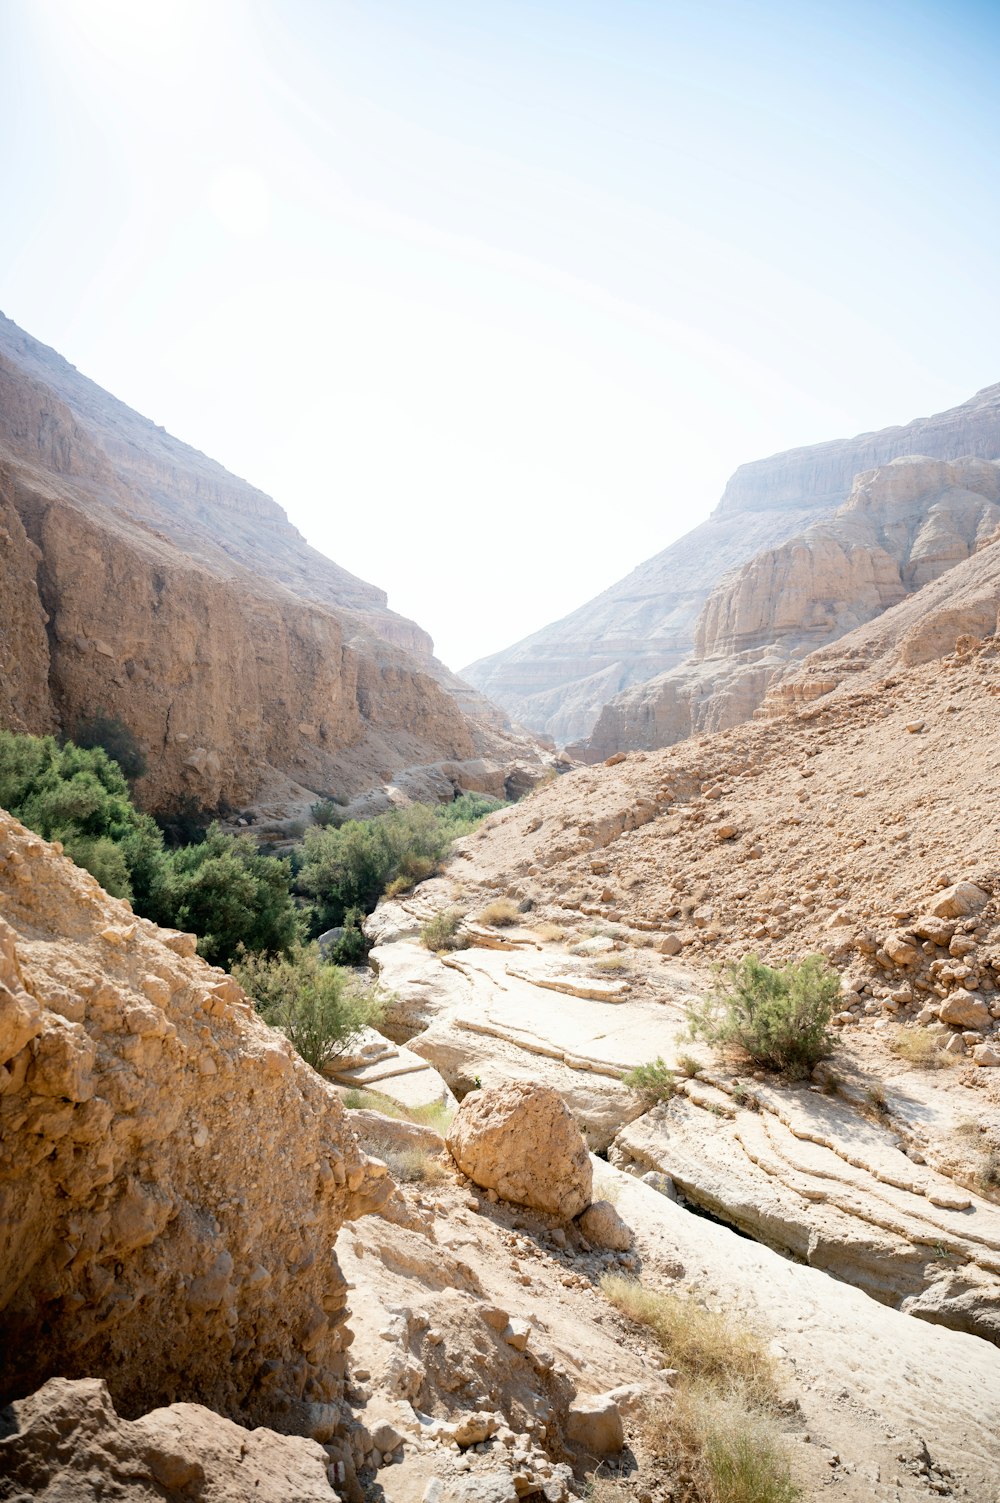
x,y
67,1442
141,579
172,1177
903,526
557,680
521,1141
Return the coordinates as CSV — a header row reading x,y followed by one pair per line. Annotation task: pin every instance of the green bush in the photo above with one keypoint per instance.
x,y
350,866
441,932
228,894
654,1081
352,947
778,1018
320,1008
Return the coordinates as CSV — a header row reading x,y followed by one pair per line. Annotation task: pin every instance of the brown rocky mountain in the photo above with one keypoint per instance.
x,y
558,680
904,525
142,579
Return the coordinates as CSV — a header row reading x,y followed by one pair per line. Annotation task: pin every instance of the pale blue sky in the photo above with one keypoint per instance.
x,y
493,297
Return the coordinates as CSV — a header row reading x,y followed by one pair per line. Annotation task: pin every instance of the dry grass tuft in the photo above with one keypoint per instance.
x,y
500,914
703,1346
435,1114
918,1047
550,933
611,963
720,1447
411,1166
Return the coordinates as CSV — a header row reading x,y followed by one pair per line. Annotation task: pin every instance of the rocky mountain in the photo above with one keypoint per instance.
x,y
558,680
142,579
903,525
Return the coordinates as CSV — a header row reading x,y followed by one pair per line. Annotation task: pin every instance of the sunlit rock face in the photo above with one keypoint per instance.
x,y
558,680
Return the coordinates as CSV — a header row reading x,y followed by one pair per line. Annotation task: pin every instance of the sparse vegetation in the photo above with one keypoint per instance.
x,y
442,932
326,812
688,1066
436,1114
411,1166
654,1081
549,933
718,1436
500,914
320,1008
918,1047
876,1101
611,963
988,1177
778,1018
700,1344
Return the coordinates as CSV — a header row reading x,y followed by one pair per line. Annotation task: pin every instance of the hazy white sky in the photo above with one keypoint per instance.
x,y
493,295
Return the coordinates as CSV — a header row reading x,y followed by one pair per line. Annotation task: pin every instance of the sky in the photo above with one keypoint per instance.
x,y
494,297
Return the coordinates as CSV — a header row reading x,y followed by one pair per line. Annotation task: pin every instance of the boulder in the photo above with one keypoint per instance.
x,y
965,1010
595,1425
959,901
520,1140
601,1224
67,1442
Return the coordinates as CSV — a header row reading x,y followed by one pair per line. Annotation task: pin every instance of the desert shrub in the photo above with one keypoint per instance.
x,y
410,1166
918,1047
351,948
499,914
688,1065
114,737
611,963
230,895
550,933
731,1450
466,812
877,1101
320,1008
442,931
654,1081
988,1175
778,1018
325,812
700,1344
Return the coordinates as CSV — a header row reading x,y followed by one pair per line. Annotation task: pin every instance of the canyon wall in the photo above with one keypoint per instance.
x,y
903,526
558,680
141,579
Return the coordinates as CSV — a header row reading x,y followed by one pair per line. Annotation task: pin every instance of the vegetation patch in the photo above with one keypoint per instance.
x,y
654,1081
320,1008
918,1047
443,931
779,1018
436,1114
500,914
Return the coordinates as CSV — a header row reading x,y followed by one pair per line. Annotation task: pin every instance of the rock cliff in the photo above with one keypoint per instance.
x,y
557,680
903,525
172,1175
142,579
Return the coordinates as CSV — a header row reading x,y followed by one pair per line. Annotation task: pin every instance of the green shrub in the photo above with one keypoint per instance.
x,y
352,947
228,894
441,932
325,812
654,1081
114,737
778,1018
320,1008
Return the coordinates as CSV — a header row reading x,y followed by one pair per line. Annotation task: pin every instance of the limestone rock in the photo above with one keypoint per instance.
x,y
601,1224
138,575
520,1140
595,1425
959,901
67,1442
172,1238
965,1010
558,679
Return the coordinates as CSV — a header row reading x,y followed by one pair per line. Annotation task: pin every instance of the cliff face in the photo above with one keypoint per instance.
x,y
142,579
172,1175
558,680
904,525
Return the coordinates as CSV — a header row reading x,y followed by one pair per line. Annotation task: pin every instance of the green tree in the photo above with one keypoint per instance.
x,y
229,894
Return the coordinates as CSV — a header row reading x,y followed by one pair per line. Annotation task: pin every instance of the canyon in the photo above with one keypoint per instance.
x,y
559,680
140,579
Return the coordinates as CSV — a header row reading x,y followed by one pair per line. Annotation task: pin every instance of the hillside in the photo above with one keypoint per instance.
x,y
142,579
557,680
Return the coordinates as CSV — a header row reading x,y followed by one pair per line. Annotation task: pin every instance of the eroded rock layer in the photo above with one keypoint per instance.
x,y
140,579
903,527
172,1175
557,680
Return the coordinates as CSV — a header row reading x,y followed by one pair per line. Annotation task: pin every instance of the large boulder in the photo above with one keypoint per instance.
x,y
67,1442
520,1140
